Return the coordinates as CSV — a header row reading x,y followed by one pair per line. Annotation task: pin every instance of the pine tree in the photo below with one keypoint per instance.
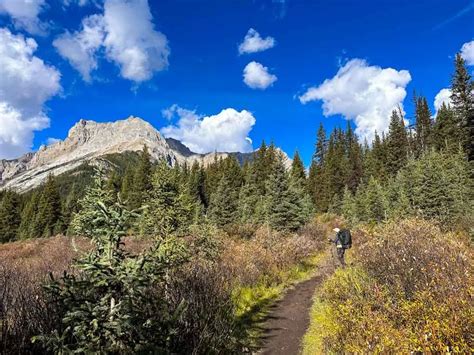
x,y
397,144
47,219
9,216
462,98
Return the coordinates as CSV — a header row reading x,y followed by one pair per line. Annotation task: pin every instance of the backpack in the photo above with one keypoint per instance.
x,y
345,238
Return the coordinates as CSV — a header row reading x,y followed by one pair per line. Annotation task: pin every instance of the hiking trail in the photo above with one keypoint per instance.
x,y
288,318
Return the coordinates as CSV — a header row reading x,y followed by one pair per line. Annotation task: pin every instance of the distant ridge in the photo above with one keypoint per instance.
x,y
89,141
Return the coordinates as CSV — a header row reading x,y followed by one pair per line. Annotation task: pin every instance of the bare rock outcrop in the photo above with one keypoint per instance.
x,y
87,142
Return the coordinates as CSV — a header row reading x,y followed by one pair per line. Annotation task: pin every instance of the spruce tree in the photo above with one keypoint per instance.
x,y
397,144
423,126
98,198
335,170
47,219
249,198
281,210
321,145
197,184
299,191
232,171
438,186
317,183
355,160
446,131
349,207
462,98
213,174
297,172
28,215
223,206
375,162
397,196
9,216
141,186
70,207
114,303
170,209
375,201
127,184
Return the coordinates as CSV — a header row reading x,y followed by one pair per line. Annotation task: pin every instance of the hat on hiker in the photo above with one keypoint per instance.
x,y
336,230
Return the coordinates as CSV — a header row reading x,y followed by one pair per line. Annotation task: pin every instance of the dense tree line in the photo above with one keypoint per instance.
x,y
421,169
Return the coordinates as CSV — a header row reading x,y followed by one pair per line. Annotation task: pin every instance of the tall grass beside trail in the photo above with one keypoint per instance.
x,y
219,284
408,289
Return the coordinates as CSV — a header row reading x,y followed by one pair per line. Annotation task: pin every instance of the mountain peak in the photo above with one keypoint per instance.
x,y
88,141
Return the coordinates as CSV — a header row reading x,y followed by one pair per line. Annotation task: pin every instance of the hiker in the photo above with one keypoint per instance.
x,y
343,241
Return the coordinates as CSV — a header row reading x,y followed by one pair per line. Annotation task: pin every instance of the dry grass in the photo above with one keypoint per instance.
x,y
220,263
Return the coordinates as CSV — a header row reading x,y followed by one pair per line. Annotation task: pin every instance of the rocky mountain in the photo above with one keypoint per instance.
x,y
88,142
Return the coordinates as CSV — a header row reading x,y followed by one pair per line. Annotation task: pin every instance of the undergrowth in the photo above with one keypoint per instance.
x,y
409,289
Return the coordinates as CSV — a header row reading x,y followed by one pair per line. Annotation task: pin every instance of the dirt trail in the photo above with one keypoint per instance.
x,y
288,318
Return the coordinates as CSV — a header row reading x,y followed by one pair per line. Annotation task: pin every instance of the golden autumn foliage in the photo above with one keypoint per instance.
x,y
408,289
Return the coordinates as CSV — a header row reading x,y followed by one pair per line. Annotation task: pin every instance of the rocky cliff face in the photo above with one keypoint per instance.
x,y
86,142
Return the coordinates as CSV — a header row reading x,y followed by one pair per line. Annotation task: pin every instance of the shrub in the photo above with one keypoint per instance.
x,y
409,291
207,324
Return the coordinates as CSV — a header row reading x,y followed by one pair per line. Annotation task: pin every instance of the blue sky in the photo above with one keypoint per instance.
x,y
378,50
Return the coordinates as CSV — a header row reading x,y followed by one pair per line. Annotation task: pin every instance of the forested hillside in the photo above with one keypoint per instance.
x,y
216,240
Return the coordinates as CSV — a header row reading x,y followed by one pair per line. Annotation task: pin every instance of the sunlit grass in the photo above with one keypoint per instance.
x,y
253,302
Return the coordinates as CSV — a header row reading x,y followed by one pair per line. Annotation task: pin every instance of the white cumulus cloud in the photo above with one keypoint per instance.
x,y
443,96
467,52
26,84
80,48
126,33
24,14
225,132
256,76
364,93
253,43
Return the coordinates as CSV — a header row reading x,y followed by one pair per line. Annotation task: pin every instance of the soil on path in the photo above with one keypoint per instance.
x,y
288,318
